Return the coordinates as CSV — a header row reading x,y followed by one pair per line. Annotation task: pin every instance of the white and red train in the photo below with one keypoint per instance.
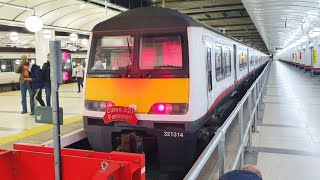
x,y
175,72
303,54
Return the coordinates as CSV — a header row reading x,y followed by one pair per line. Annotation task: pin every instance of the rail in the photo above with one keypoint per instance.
x,y
218,141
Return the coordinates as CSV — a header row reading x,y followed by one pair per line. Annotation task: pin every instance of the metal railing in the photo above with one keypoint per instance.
x,y
218,141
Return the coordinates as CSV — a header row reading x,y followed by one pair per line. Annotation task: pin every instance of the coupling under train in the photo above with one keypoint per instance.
x,y
175,72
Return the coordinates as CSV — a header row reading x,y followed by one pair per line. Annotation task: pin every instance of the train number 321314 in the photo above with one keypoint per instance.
x,y
173,134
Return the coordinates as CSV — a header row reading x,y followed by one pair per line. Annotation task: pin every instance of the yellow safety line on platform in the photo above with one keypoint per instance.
x,y
10,93
35,130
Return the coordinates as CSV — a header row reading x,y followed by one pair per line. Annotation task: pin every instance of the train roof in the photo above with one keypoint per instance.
x,y
153,18
148,18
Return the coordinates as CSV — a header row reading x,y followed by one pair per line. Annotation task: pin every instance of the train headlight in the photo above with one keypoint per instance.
x,y
103,105
98,105
169,108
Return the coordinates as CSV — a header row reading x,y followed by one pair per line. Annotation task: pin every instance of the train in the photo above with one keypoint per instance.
x,y
174,72
303,54
10,60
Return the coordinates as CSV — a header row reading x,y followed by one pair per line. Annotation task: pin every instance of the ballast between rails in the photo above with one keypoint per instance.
x,y
219,139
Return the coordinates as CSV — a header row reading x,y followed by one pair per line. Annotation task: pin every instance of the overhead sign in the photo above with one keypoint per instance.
x,y
120,113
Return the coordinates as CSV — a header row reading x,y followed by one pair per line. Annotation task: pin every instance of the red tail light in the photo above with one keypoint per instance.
x,y
161,107
169,108
110,104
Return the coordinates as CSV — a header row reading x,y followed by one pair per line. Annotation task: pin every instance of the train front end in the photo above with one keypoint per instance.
x,y
147,72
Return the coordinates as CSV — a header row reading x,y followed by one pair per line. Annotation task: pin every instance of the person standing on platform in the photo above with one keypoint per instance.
x,y
47,80
37,83
23,70
248,172
79,75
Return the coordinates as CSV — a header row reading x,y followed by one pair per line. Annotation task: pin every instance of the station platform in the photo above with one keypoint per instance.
x,y
16,127
287,142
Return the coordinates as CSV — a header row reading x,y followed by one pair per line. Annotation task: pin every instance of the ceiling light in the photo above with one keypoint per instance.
x,y
73,37
84,42
82,5
14,36
316,29
47,34
33,23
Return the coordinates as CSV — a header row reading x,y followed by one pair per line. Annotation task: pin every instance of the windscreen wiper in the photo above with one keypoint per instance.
x,y
160,67
131,59
130,51
168,66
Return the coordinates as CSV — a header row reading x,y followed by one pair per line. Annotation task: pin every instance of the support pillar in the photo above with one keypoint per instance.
x,y
42,46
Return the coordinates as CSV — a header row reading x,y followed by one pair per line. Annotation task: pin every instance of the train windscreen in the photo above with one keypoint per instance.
x,y
113,53
160,51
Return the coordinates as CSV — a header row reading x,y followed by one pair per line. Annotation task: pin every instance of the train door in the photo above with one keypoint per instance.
x,y
235,63
313,58
209,55
247,61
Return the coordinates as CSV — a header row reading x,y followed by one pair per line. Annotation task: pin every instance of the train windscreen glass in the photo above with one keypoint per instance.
x,y
113,53
160,51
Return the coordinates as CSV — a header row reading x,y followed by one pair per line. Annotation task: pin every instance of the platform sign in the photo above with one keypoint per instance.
x,y
120,113
43,114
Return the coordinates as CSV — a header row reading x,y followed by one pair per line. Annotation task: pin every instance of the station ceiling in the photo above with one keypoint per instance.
x,y
68,14
284,22
229,16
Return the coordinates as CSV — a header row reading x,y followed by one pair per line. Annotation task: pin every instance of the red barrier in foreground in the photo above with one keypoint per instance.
x,y
37,163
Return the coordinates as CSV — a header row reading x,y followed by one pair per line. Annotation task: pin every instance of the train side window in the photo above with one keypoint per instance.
x,y
243,60
240,60
251,58
218,63
256,58
227,67
209,68
6,65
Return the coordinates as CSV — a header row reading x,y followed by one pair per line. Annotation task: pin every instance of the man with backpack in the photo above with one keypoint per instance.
x,y
37,83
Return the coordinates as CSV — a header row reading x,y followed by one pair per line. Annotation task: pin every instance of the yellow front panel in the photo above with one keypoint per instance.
x,y
141,92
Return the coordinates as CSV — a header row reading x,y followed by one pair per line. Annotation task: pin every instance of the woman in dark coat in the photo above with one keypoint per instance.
x,y
37,83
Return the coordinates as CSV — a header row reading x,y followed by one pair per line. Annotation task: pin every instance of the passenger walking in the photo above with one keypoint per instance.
x,y
37,83
47,80
23,70
79,75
